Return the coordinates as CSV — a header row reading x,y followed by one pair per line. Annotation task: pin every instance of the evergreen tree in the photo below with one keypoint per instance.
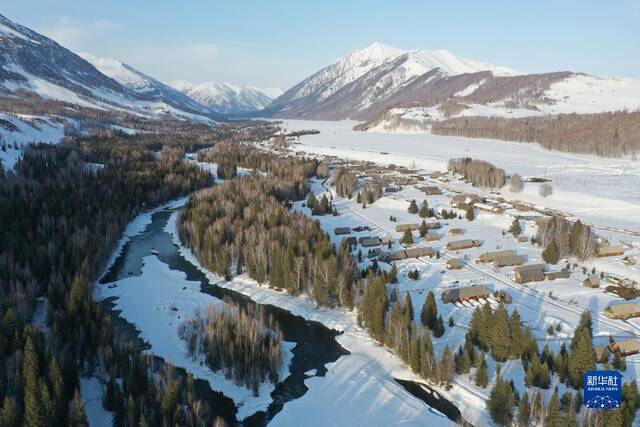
x,y
32,410
482,377
470,215
429,314
500,334
423,230
574,236
393,275
515,227
424,210
9,413
501,401
524,410
550,253
581,358
413,207
407,237
553,418
77,415
312,202
438,328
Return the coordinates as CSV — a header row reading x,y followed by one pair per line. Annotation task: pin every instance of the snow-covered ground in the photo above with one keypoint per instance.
x,y
92,392
540,304
17,130
597,190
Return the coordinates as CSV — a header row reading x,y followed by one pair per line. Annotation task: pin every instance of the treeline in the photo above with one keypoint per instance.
x,y
241,342
60,218
390,321
560,238
243,226
610,134
478,172
286,178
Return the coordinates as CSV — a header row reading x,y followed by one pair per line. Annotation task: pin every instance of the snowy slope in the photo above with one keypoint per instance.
x,y
17,130
33,63
372,76
225,97
145,86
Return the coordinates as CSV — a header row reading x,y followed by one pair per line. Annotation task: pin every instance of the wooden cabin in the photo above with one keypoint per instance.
x,y
431,237
401,228
368,242
455,232
609,250
560,274
463,244
430,191
508,261
491,256
341,230
529,273
464,294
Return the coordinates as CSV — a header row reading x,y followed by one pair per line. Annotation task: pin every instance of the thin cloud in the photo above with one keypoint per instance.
x,y
81,36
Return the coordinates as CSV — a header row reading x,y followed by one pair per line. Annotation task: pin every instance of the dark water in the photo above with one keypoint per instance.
x,y
433,399
315,343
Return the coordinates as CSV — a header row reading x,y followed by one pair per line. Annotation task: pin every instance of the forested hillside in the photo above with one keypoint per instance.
x,y
606,134
62,209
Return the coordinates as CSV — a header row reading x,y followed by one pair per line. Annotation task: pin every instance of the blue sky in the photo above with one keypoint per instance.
x,y
279,42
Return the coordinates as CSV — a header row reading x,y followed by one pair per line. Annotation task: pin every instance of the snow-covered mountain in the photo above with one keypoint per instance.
x,y
145,86
396,89
371,76
34,64
225,97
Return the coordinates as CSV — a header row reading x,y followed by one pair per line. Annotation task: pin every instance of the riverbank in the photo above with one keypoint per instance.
x,y
359,389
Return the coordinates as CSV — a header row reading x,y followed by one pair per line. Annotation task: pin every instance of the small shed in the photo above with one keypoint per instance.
x,y
341,230
491,256
625,348
463,244
455,264
591,282
463,294
455,232
529,273
622,311
508,261
630,260
432,225
560,274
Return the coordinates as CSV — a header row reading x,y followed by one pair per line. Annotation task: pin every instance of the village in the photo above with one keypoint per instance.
x,y
443,235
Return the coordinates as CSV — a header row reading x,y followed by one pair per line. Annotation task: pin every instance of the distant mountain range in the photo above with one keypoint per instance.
x,y
225,97
31,63
386,88
391,89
